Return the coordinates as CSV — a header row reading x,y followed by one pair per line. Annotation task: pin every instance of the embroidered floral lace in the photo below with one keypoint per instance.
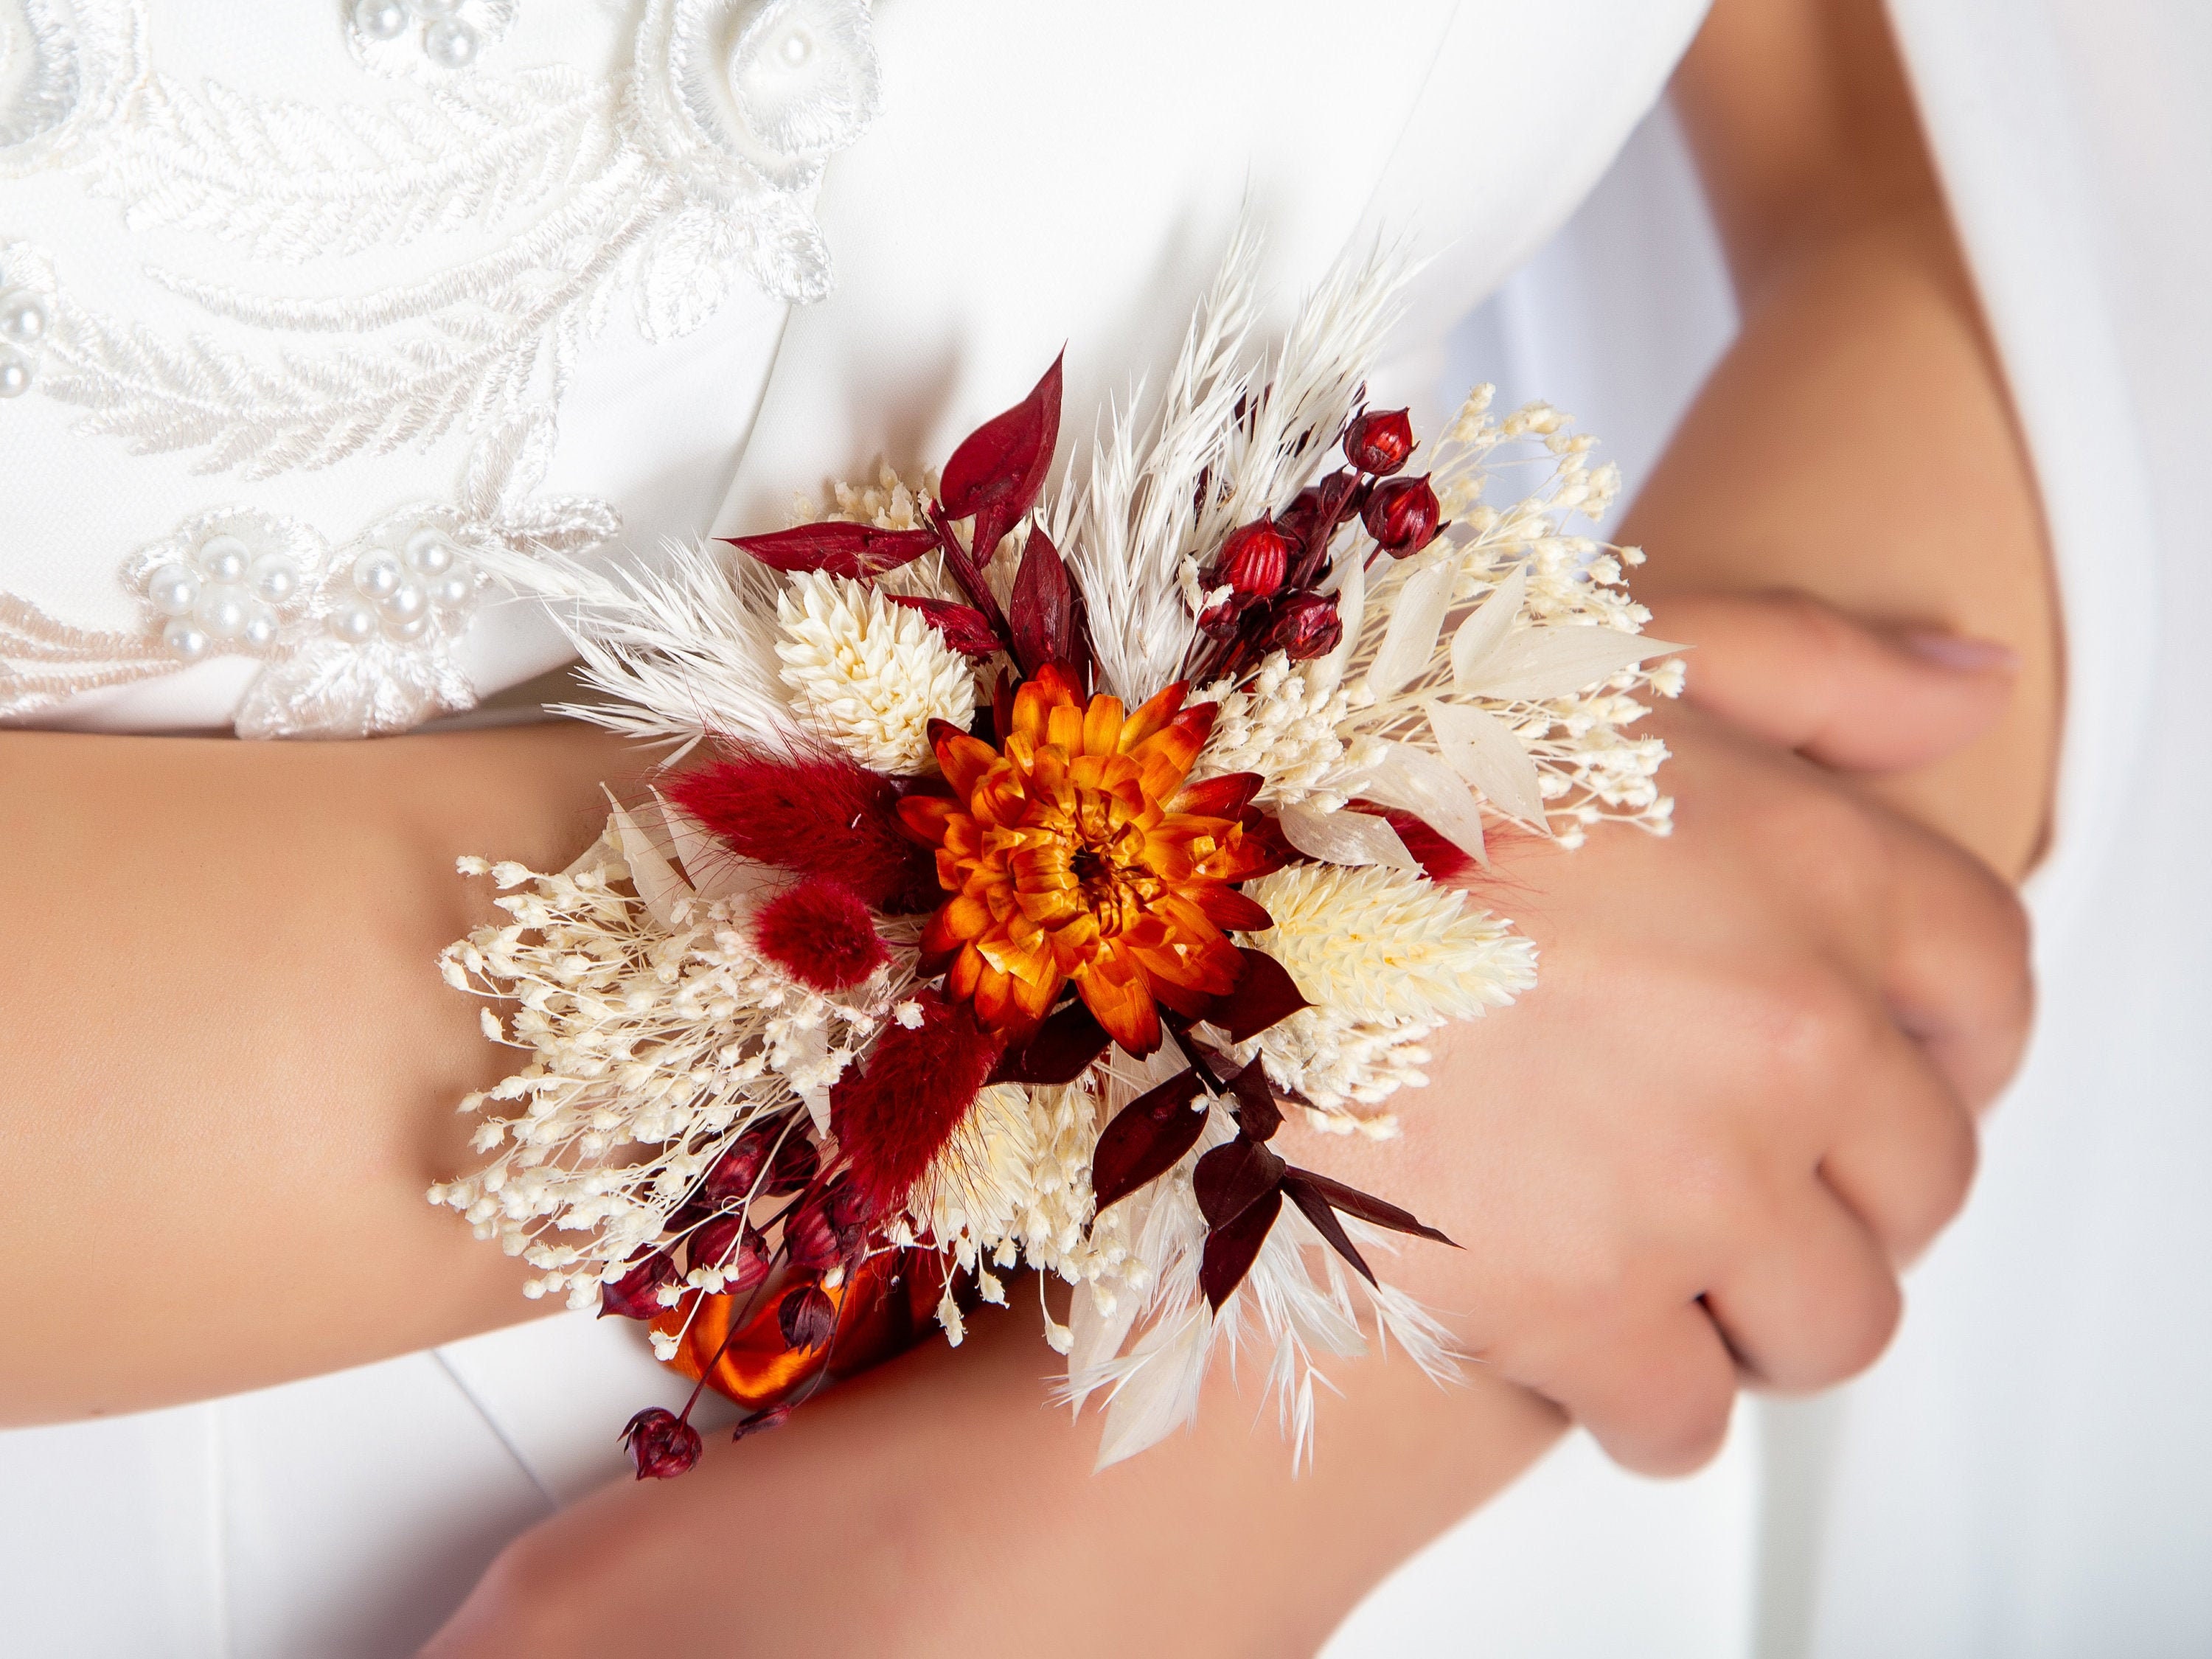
x,y
660,185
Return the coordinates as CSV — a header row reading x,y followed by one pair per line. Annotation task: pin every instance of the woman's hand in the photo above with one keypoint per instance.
x,y
1741,1092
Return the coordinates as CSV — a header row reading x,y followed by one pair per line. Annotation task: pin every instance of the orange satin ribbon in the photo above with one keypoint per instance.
x,y
886,1306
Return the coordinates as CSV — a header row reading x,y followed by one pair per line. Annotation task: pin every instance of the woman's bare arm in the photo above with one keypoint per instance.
x,y
1857,442
227,1064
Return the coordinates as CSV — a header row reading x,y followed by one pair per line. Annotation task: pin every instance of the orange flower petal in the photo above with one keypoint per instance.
x,y
1101,726
1152,715
964,759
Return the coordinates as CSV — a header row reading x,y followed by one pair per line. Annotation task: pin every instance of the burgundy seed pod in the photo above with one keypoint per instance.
x,y
726,1242
1378,441
732,1181
806,1316
1305,626
633,1295
1401,514
1223,619
661,1444
761,1422
1312,518
1252,560
812,1240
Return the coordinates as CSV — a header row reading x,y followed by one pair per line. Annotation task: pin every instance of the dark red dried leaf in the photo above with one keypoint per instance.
x,y
996,473
761,1422
1042,611
661,1444
1257,1115
635,1294
1224,797
1317,1210
1265,993
806,1316
1064,1046
1233,1177
858,550
1369,1208
1234,912
1231,1248
965,629
1146,1139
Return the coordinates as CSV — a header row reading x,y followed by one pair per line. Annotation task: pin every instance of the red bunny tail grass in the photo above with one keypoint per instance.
x,y
822,815
893,1119
820,933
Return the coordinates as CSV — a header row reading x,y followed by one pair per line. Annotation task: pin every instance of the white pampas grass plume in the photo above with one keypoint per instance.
x,y
680,653
866,676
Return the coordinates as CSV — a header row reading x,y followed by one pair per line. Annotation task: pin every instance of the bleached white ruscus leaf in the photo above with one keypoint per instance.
x,y
1418,783
1345,837
659,887
1532,663
1482,749
1486,629
1415,621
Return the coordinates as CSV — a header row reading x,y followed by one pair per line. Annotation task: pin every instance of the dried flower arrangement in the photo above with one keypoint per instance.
x,y
996,902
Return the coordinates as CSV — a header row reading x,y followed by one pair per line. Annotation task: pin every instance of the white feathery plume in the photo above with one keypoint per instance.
x,y
683,653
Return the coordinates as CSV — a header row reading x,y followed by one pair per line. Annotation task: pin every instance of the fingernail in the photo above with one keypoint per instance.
x,y
1963,653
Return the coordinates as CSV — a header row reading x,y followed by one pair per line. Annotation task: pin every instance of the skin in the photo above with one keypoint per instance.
x,y
1802,994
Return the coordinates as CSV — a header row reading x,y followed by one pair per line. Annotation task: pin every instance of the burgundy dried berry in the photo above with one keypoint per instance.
x,y
1401,514
806,1316
1252,560
1221,621
635,1294
1378,441
727,1244
811,1240
736,1172
1305,626
661,1444
1312,518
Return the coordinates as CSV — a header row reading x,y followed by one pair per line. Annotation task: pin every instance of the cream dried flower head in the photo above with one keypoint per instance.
x,y
869,676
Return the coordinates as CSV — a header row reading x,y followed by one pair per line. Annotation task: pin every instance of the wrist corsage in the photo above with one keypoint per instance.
x,y
1025,856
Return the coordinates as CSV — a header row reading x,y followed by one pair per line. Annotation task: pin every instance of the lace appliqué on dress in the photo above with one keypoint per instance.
x,y
693,165
354,640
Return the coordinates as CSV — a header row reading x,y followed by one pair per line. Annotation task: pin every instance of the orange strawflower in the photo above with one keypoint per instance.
x,y
1077,852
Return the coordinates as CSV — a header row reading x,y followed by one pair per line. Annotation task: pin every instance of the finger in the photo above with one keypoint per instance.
x,y
1816,1301
1904,1153
1803,674
1956,969
1657,1397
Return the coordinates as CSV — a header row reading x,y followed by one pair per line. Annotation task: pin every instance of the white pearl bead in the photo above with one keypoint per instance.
x,y
275,578
224,557
377,574
186,640
429,552
409,631
14,372
260,629
172,589
450,46
23,317
405,602
355,623
380,20
224,610
797,48
451,592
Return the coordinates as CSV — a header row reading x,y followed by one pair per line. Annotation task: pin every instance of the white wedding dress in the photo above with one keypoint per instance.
x,y
302,305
